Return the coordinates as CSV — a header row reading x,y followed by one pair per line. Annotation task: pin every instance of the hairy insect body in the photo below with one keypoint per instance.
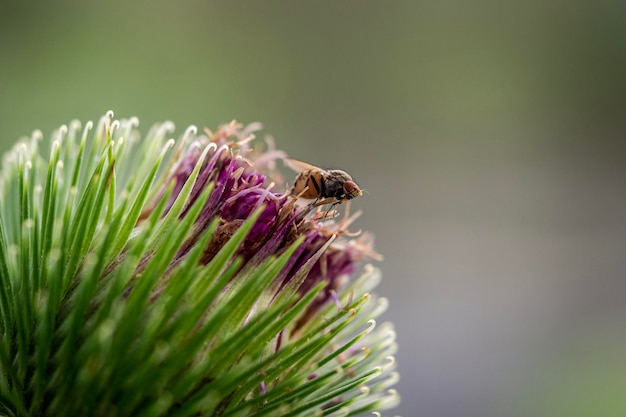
x,y
316,183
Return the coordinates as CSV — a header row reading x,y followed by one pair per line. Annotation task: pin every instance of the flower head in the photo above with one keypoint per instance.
x,y
141,280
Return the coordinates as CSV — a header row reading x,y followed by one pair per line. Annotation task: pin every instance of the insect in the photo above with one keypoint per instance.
x,y
325,186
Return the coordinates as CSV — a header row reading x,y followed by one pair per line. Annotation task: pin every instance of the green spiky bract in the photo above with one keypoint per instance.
x,y
97,320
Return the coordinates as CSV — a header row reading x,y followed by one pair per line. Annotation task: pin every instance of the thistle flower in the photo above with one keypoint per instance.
x,y
146,279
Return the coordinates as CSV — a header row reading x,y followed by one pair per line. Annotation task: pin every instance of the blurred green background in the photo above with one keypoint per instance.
x,y
489,137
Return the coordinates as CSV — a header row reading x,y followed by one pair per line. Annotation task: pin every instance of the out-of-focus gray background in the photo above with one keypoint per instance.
x,y
490,137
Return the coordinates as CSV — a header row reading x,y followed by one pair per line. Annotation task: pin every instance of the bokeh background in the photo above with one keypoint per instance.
x,y
490,137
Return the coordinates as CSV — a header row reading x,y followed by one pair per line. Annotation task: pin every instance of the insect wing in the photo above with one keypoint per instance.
x,y
300,166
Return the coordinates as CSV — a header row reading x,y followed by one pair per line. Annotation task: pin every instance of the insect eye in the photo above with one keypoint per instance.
x,y
350,188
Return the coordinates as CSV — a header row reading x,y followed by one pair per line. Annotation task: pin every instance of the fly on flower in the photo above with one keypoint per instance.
x,y
182,251
325,186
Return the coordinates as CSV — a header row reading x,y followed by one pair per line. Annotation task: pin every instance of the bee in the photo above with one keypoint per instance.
x,y
325,186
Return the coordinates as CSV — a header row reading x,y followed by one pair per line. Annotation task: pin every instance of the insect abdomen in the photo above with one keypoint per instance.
x,y
310,180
